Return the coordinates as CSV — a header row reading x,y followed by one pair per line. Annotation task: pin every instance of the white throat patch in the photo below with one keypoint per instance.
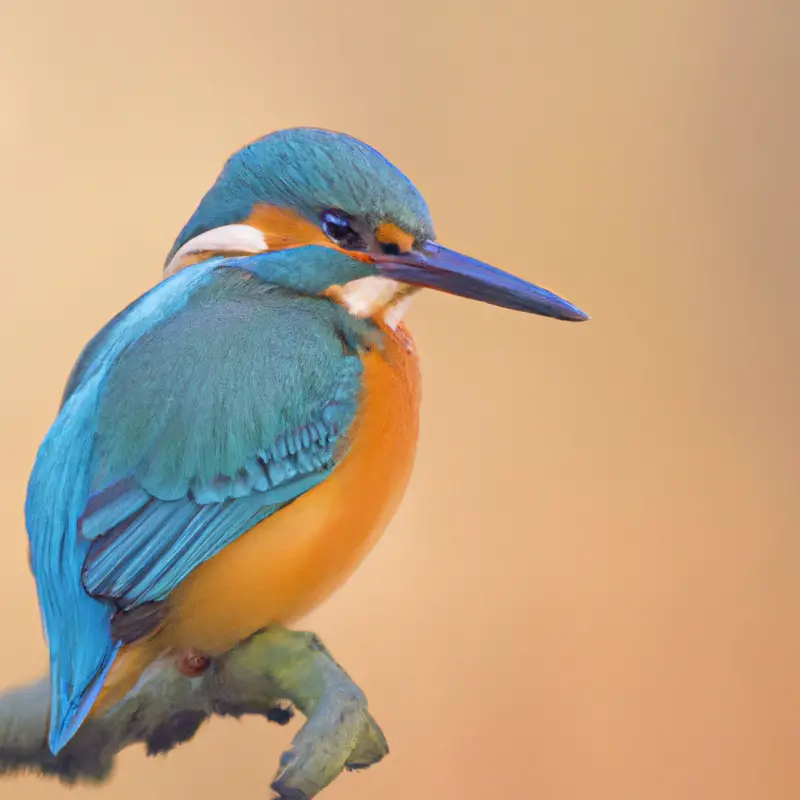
x,y
365,297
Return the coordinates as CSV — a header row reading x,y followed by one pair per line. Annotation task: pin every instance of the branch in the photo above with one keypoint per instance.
x,y
259,676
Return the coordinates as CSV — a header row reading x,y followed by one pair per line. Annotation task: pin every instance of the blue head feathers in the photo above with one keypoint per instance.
x,y
309,170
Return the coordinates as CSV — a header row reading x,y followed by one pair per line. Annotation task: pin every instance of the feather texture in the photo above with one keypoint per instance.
x,y
75,625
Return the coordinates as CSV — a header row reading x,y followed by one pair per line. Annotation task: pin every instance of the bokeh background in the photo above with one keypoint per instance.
x,y
591,590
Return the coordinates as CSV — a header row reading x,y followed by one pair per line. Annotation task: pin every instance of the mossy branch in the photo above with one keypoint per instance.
x,y
261,676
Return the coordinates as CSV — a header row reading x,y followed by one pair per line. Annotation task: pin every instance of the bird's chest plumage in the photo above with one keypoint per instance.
x,y
291,561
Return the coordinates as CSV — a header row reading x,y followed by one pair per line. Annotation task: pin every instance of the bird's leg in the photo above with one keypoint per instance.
x,y
192,663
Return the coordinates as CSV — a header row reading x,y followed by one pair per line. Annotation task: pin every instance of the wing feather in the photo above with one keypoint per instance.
x,y
210,423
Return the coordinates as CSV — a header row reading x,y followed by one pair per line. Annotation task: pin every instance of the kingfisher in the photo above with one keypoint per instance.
x,y
230,445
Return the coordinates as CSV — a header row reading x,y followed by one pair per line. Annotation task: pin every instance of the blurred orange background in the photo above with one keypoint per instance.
x,y
591,590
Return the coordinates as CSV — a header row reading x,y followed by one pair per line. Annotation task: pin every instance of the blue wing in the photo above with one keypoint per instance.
x,y
207,405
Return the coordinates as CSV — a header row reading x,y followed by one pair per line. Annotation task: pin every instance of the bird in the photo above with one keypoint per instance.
x,y
230,445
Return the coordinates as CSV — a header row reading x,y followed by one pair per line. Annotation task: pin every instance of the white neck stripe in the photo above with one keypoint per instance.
x,y
226,239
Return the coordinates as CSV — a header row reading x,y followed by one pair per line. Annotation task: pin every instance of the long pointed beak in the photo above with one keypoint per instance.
x,y
436,267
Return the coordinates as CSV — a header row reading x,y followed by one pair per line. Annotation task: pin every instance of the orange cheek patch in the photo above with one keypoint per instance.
x,y
283,228
389,233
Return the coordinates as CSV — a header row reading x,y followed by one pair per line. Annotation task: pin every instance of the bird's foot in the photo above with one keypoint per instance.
x,y
339,734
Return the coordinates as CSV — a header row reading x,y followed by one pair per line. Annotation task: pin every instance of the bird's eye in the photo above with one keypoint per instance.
x,y
338,227
390,248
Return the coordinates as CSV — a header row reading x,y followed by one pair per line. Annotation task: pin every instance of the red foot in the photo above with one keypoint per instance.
x,y
192,663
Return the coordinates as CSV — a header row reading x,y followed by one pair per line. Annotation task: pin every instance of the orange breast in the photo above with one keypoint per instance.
x,y
284,566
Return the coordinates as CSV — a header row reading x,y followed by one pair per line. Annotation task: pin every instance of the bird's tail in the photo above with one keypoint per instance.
x,y
78,670
77,626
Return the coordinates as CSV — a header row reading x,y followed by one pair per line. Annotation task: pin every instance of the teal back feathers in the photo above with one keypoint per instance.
x,y
231,334
206,405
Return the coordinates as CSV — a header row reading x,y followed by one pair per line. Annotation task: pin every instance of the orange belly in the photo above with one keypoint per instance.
x,y
288,563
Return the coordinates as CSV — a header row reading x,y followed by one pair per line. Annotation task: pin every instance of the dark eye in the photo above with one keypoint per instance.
x,y
338,227
390,248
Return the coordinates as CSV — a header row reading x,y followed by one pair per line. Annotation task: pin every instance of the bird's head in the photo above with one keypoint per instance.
x,y
332,215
